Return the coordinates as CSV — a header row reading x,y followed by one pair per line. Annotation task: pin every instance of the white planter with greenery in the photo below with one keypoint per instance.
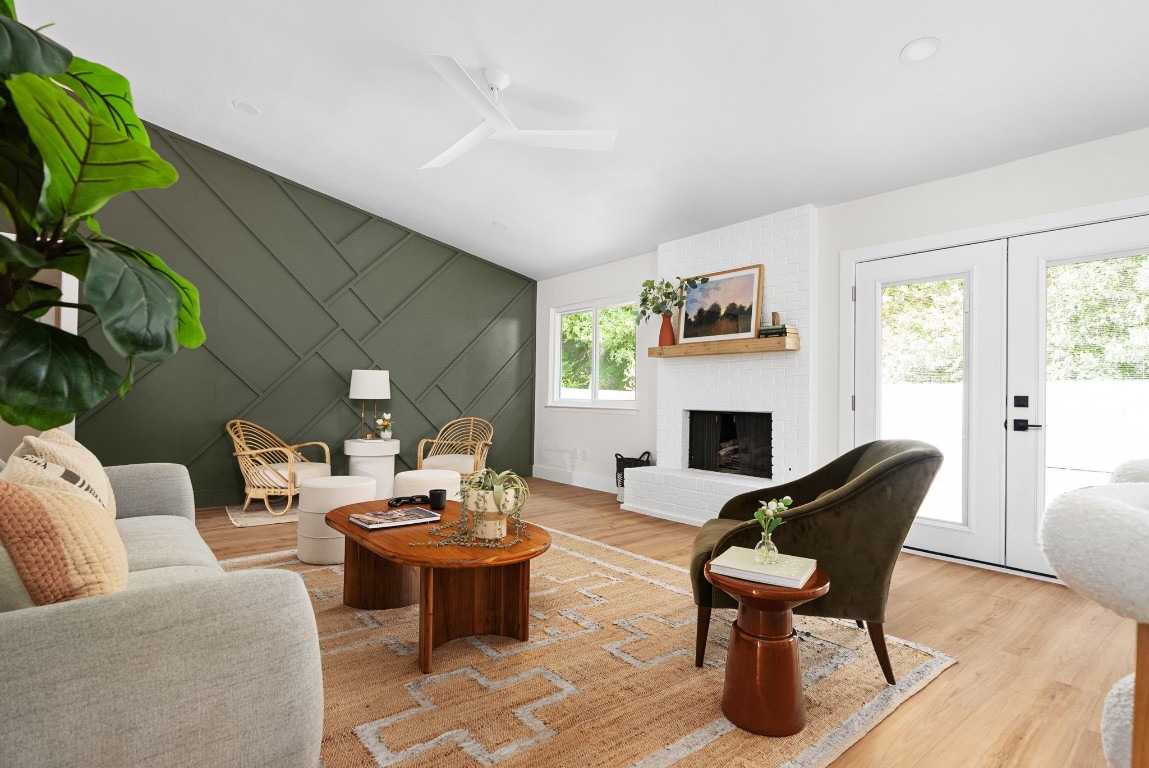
x,y
489,498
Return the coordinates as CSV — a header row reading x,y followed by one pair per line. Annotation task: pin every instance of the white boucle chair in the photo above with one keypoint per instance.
x,y
1135,471
419,482
1097,540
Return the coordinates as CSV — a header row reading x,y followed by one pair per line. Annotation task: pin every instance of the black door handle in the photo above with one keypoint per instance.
x,y
1023,425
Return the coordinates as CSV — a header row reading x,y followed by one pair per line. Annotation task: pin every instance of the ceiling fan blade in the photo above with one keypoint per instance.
x,y
471,92
477,134
597,141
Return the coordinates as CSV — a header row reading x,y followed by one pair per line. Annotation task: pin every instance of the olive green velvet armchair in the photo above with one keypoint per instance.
x,y
852,516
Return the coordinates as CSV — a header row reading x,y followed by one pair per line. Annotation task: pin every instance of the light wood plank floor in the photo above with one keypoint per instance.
x,y
1034,660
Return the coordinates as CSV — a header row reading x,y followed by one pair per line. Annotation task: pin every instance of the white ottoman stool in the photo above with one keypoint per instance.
x,y
318,544
417,482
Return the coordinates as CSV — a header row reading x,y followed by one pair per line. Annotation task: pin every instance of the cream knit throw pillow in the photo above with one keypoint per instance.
x,y
54,460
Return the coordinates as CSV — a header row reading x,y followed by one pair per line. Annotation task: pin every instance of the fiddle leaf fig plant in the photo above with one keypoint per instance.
x,y
70,140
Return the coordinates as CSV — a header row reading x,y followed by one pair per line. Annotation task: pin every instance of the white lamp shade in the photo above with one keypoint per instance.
x,y
370,385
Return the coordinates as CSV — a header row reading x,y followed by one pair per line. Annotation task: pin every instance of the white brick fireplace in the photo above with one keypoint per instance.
x,y
780,383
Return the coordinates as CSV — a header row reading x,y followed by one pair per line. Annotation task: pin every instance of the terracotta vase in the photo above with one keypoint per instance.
x,y
666,333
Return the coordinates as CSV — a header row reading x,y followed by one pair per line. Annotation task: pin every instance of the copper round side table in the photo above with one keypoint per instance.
x,y
763,689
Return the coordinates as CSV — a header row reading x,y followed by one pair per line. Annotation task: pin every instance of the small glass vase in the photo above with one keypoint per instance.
x,y
765,551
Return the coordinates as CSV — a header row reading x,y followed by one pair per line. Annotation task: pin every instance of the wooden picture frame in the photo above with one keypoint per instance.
x,y
738,289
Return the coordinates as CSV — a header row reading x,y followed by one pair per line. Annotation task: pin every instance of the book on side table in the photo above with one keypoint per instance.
x,y
389,518
789,571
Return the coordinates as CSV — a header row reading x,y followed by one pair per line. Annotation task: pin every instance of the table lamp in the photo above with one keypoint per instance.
x,y
373,386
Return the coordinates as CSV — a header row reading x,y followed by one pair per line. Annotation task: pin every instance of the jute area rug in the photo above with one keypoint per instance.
x,y
257,514
606,679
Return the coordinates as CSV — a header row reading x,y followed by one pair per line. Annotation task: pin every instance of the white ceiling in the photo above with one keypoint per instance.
x,y
725,109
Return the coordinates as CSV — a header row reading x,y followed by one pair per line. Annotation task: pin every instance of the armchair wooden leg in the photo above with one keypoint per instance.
x,y
878,640
700,636
1141,700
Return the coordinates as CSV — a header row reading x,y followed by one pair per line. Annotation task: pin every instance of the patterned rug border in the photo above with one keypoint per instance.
x,y
818,755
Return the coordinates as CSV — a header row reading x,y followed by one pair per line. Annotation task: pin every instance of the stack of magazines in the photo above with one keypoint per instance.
x,y
389,518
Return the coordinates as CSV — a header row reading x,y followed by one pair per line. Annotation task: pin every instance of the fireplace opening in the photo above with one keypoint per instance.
x,y
734,442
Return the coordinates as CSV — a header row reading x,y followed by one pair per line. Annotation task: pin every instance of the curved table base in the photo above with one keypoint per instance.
x,y
453,602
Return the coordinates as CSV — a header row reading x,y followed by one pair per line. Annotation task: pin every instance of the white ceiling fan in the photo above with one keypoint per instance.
x,y
496,125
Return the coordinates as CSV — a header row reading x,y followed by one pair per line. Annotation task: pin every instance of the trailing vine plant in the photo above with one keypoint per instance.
x,y
464,532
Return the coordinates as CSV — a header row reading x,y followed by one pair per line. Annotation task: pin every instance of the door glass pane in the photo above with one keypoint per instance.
x,y
1096,369
922,381
577,356
616,341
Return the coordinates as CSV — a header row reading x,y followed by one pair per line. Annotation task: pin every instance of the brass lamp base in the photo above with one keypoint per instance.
x,y
368,429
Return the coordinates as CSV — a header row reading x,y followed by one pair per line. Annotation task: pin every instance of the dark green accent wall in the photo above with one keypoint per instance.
x,y
297,290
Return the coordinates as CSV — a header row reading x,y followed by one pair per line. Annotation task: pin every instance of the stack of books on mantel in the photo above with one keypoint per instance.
x,y
789,571
769,331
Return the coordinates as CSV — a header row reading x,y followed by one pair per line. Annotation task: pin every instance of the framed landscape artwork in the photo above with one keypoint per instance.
x,y
727,306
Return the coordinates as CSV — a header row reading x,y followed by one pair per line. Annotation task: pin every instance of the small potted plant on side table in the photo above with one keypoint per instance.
x,y
383,426
662,298
766,551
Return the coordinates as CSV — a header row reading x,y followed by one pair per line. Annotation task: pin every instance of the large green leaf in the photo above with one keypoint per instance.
x,y
26,50
8,8
108,96
37,418
189,329
48,370
137,306
12,251
31,293
88,161
21,170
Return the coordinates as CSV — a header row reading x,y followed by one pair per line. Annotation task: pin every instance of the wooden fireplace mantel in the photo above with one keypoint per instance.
x,y
787,343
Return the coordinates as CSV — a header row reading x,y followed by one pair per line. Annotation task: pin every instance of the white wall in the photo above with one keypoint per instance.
x,y
1116,168
562,432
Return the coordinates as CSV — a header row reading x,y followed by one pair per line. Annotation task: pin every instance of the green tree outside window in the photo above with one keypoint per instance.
x,y
606,358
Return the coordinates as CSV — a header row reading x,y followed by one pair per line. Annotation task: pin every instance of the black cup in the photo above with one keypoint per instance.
x,y
438,498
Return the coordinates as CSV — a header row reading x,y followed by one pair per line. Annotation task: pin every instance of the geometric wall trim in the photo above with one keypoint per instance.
x,y
297,290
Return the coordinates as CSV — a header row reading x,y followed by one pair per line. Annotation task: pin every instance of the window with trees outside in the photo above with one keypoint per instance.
x,y
595,356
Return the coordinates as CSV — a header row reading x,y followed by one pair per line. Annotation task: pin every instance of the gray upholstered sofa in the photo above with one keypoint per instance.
x,y
187,666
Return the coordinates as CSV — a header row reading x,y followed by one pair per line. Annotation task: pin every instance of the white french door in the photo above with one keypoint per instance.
x,y
1079,358
929,365
1025,360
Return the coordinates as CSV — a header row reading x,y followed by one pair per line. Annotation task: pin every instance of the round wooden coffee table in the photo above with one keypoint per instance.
x,y
461,591
763,689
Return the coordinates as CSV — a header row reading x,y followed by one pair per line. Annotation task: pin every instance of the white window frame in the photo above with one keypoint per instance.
x,y
554,400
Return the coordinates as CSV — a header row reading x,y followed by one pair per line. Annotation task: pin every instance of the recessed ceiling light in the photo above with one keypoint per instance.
x,y
245,108
921,49
500,226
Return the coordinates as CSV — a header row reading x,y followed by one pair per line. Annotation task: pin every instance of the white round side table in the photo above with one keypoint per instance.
x,y
318,544
373,458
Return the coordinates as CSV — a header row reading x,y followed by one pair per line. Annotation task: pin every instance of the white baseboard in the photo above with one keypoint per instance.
x,y
986,566
604,483
631,507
